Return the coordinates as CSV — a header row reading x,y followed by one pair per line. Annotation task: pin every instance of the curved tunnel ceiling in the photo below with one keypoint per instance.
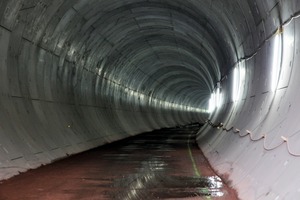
x,y
78,74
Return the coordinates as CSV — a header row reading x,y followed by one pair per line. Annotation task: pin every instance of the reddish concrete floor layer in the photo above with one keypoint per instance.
x,y
164,164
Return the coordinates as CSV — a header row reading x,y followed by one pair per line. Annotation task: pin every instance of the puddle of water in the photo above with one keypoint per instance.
x,y
155,185
157,175
155,172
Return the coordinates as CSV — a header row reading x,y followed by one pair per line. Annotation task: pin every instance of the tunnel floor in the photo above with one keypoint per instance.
x,y
164,164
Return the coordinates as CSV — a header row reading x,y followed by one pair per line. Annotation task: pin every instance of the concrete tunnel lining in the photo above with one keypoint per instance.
x,y
78,74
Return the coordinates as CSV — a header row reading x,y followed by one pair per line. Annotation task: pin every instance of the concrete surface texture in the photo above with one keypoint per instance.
x,y
76,74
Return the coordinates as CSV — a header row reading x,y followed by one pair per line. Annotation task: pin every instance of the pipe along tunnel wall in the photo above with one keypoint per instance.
x,y
78,74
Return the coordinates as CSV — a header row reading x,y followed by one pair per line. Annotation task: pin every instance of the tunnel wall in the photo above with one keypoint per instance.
x,y
58,94
257,144
78,74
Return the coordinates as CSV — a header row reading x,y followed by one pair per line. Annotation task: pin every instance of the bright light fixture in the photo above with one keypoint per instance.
x,y
218,98
235,84
215,100
239,75
212,103
276,62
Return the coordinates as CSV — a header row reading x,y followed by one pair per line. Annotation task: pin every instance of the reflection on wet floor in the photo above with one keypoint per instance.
x,y
164,164
157,174
160,187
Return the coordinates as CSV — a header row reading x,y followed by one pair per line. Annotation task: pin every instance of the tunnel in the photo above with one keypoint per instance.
x,y
78,74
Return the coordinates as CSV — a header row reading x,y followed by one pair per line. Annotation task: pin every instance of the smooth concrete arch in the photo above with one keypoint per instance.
x,y
77,74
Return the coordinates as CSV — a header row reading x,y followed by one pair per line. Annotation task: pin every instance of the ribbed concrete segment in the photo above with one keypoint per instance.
x,y
78,74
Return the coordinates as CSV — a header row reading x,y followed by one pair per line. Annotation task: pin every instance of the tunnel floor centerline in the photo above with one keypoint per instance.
x,y
163,164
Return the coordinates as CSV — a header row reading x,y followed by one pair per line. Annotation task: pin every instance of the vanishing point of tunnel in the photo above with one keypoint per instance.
x,y
78,75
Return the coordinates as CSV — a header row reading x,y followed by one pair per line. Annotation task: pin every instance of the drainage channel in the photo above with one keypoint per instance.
x,y
163,164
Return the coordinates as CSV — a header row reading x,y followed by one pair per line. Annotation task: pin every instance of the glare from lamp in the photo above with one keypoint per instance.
x,y
276,62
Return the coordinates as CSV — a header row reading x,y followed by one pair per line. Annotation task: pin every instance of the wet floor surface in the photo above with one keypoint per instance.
x,y
164,164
